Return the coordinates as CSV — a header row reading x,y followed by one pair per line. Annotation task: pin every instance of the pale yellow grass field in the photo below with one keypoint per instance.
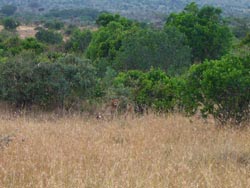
x,y
144,152
26,31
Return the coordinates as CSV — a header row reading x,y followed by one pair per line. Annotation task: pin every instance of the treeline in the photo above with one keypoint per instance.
x,y
40,14
193,64
144,10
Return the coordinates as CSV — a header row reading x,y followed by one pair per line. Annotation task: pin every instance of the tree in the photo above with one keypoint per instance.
x,y
207,33
55,24
32,44
105,18
8,10
146,48
240,26
10,23
12,45
79,41
80,74
108,40
246,40
220,88
49,37
26,81
152,89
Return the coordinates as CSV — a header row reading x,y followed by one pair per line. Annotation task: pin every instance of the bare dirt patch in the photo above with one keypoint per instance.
x,y
26,31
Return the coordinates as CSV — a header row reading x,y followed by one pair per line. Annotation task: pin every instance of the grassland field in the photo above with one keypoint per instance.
x,y
150,151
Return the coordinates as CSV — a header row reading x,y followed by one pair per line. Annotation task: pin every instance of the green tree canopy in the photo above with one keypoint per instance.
x,y
105,18
79,41
8,10
220,88
55,24
32,44
108,40
208,35
150,89
246,40
49,37
146,48
10,23
27,81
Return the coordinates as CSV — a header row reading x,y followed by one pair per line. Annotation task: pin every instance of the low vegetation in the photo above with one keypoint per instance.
x,y
149,151
191,65
125,104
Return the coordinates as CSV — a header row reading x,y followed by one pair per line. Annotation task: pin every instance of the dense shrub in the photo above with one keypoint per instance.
x,y
32,44
146,48
8,10
10,23
108,39
49,37
220,88
153,89
79,41
208,34
56,25
25,81
84,14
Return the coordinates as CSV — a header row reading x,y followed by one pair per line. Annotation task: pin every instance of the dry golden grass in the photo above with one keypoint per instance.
x,y
26,31
144,152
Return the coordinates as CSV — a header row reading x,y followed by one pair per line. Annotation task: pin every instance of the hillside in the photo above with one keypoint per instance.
x,y
145,10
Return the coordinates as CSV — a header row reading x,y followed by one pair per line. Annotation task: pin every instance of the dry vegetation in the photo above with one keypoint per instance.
x,y
147,152
26,31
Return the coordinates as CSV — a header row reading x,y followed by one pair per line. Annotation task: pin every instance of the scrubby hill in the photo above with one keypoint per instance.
x,y
146,10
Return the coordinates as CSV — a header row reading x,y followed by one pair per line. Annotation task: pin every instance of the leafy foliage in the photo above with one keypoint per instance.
x,y
26,81
146,48
10,23
8,10
55,24
149,67
49,37
33,44
220,88
152,89
208,35
85,13
108,39
79,41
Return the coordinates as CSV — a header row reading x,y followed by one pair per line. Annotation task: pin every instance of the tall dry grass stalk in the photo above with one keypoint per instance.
x,y
144,152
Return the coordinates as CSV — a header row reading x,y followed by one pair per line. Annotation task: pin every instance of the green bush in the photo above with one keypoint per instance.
x,y
25,81
12,46
220,88
153,89
49,37
146,48
108,39
208,34
32,44
10,23
79,41
8,10
56,25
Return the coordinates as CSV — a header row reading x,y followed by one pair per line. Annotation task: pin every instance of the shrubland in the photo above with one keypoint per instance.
x,y
191,65
188,84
